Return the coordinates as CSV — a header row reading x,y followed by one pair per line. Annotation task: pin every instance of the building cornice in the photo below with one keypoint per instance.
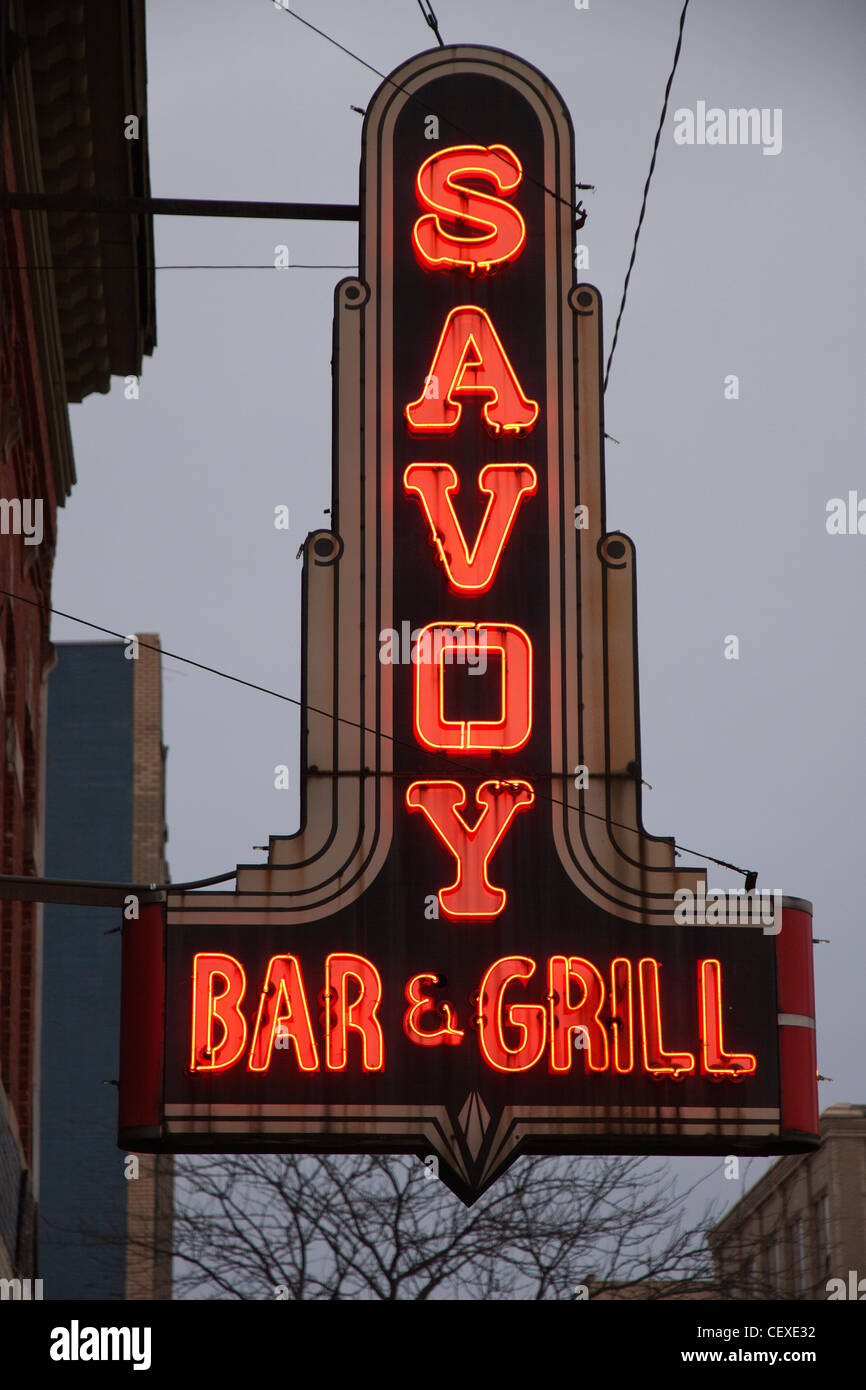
x,y
80,72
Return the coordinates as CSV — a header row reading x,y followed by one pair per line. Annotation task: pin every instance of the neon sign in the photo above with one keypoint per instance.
x,y
469,946
288,1014
469,360
512,1025
222,1006
421,1005
512,728
472,846
494,227
504,484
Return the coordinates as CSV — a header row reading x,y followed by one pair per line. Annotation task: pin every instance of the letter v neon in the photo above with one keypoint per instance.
x,y
505,485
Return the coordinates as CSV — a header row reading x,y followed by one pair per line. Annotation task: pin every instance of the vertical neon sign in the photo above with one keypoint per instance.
x,y
470,232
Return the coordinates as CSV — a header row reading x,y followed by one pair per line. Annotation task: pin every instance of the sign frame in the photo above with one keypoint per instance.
x,y
600,868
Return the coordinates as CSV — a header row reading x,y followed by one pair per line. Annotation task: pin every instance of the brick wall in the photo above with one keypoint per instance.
x,y
804,1222
149,1205
27,473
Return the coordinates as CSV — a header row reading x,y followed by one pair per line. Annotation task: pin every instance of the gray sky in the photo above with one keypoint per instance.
x,y
748,264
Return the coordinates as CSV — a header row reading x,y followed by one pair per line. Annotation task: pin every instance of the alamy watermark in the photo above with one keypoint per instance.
x,y
77,1343
20,1290
736,126
729,907
846,518
443,646
855,1288
22,516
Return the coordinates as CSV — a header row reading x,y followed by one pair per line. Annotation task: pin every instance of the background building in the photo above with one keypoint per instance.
x,y
106,822
804,1222
801,1227
76,307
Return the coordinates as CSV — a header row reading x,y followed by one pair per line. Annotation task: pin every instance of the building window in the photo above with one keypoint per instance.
x,y
822,1234
797,1253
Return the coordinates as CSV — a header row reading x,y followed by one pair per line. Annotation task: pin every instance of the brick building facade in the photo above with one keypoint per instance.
x,y
800,1231
76,307
150,1197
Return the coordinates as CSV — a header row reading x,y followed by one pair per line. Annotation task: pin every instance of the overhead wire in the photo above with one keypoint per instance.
x,y
430,15
264,265
340,719
284,9
646,189
458,129
433,23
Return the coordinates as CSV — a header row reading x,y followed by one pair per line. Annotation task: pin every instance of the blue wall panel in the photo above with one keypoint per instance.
x,y
88,835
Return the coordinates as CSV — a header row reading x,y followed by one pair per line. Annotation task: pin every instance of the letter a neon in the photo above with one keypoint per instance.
x,y
505,485
472,361
471,894
283,1003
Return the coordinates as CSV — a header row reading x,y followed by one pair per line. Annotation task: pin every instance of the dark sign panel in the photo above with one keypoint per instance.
x,y
472,948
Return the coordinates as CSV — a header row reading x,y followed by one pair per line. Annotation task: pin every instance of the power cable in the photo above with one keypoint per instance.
x,y
351,723
430,15
460,130
100,269
95,203
646,190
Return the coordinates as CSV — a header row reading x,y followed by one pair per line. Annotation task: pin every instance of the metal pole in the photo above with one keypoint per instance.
x,y
179,207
